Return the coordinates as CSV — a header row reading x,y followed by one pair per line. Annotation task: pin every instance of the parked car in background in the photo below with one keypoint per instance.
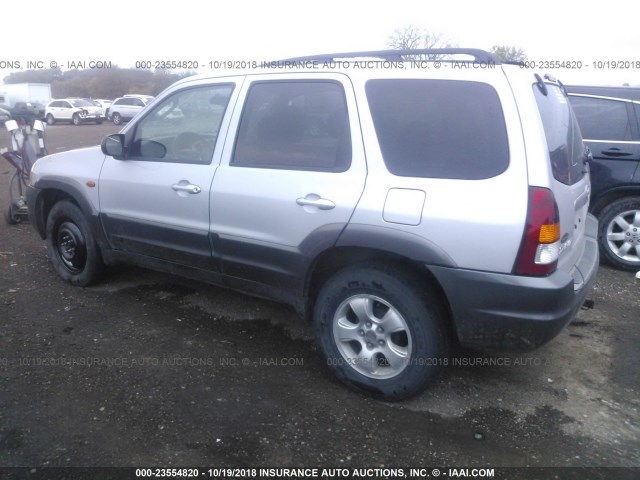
x,y
608,118
104,104
125,108
400,210
74,110
25,111
145,98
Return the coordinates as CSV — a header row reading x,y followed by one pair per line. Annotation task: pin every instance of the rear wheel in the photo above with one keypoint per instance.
x,y
72,246
50,119
380,331
619,234
11,215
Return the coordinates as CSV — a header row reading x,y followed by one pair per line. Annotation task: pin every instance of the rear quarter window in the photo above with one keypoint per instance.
x,y
439,128
564,140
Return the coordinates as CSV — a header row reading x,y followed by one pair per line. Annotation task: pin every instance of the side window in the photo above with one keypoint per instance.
x,y
65,105
184,127
564,140
439,128
295,125
602,119
136,102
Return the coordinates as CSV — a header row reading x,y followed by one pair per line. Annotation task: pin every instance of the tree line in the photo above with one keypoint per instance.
x,y
106,83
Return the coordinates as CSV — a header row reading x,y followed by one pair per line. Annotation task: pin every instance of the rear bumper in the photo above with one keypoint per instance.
x,y
508,312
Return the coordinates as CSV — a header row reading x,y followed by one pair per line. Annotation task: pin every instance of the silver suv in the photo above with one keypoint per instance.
x,y
125,108
399,206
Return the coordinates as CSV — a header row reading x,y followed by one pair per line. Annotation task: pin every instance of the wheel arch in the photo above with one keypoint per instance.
x,y
332,260
613,195
50,192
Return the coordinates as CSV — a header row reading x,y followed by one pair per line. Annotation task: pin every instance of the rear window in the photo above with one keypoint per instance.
x,y
564,140
439,128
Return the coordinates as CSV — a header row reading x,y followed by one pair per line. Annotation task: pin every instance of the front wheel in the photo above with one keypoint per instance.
x,y
381,332
72,246
50,120
116,119
76,119
619,234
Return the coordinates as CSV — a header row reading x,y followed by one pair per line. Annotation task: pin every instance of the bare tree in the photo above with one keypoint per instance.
x,y
405,38
411,37
508,53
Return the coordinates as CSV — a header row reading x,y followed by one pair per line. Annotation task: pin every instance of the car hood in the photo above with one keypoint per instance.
x,y
72,170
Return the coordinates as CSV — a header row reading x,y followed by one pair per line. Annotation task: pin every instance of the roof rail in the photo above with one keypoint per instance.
x,y
401,55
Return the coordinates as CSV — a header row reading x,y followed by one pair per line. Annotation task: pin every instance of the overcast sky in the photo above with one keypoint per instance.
x,y
124,32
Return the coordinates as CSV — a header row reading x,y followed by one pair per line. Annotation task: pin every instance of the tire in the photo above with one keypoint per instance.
x,y
11,217
117,119
72,247
619,235
50,120
76,120
394,362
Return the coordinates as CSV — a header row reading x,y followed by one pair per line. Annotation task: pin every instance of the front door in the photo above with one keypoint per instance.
x,y
155,201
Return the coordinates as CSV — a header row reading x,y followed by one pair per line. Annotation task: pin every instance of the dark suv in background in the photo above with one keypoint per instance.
x,y
608,118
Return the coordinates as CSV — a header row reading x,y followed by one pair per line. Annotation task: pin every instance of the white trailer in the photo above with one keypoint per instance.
x,y
11,93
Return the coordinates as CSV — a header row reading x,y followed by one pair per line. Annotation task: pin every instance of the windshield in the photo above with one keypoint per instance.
x,y
81,103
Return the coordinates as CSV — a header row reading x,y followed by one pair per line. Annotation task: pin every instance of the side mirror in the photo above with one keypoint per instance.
x,y
113,146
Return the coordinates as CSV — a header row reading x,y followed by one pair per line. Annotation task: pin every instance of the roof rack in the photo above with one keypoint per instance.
x,y
401,55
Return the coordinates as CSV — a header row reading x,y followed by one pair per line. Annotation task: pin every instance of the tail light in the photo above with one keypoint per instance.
x,y
540,246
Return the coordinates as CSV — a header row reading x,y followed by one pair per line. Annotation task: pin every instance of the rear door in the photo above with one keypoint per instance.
x,y
610,129
136,106
571,186
289,179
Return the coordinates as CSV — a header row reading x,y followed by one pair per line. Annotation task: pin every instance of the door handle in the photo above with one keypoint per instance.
x,y
186,187
616,152
313,200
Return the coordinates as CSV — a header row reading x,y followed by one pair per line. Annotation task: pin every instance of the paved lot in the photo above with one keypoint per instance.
x,y
149,369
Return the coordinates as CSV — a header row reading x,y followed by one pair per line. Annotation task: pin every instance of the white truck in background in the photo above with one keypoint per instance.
x,y
25,101
12,93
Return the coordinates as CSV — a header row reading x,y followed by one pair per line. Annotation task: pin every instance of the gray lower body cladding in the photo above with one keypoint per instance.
x,y
495,311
